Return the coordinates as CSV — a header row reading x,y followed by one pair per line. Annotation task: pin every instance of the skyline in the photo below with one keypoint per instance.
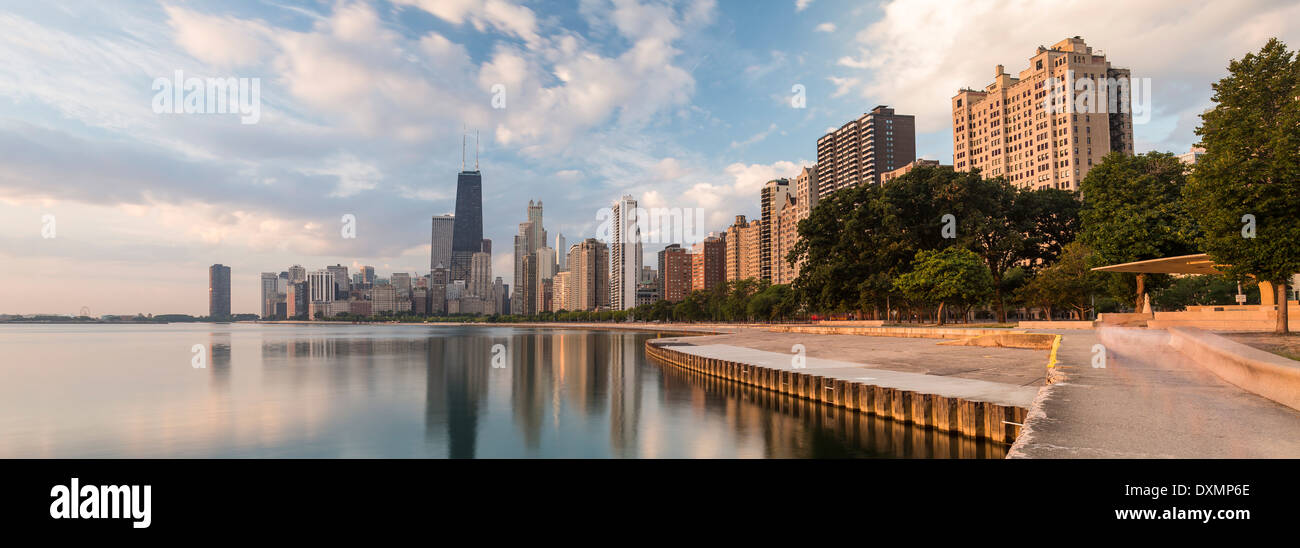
x,y
154,200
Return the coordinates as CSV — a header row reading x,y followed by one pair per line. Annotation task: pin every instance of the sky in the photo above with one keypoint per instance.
x,y
111,202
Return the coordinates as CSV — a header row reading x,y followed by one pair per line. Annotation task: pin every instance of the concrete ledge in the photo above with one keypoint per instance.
x,y
851,323
992,416
1055,324
911,332
1252,369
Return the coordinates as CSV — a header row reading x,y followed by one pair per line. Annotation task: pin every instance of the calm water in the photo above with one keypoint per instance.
x,y
397,391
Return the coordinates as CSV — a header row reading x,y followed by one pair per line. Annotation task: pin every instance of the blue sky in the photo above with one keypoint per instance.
x,y
682,103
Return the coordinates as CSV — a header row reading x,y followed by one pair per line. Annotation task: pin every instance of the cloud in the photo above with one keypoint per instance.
x,y
921,51
800,5
826,27
755,138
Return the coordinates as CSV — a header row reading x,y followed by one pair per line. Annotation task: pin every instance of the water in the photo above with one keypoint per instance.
x,y
125,391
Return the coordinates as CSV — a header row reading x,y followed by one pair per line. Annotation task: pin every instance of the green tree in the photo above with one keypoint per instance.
x,y
951,275
1133,211
1068,283
1251,167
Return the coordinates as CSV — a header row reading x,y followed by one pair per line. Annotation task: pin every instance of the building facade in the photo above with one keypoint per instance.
x,y
440,241
1027,128
772,197
624,254
675,272
709,262
219,291
860,151
467,231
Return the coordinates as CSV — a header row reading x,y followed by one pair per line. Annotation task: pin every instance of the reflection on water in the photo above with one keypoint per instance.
x,y
404,391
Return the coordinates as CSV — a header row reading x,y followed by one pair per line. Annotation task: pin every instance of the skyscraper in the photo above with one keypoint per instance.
x,y
588,283
561,253
219,291
1010,128
742,250
341,281
863,149
539,228
270,294
523,248
772,198
297,274
441,239
480,275
624,254
709,263
467,231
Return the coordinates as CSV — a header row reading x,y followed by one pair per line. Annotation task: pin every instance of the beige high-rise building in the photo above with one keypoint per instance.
x,y
784,235
1009,129
863,149
589,275
709,262
805,191
560,288
480,275
742,249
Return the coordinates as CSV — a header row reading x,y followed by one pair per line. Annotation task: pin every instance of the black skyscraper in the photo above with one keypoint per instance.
x,y
219,291
467,232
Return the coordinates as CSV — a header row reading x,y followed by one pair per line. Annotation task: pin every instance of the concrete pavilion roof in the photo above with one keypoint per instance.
x,y
1199,263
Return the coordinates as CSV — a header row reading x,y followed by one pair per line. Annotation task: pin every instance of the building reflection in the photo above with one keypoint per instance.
x,y
455,388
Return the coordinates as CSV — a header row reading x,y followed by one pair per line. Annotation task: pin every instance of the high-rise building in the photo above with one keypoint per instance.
x,y
441,240
624,254
401,282
320,285
270,294
499,291
538,240
589,275
785,233
709,262
523,248
480,275
560,292
368,276
296,299
863,149
675,271
527,291
561,253
742,250
772,198
297,274
342,284
383,298
219,291
1192,156
467,231
1013,129
805,191
438,279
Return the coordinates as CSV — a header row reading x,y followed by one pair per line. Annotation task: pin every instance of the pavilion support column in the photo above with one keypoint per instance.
x,y
1267,294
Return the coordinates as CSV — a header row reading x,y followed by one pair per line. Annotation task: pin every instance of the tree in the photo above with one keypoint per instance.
x,y
954,274
1133,211
1070,282
1251,170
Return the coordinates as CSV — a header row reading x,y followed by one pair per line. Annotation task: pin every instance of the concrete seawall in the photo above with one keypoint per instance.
x,y
994,421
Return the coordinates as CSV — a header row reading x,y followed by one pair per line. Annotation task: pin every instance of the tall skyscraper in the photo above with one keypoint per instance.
x,y
401,282
624,254
523,248
675,271
320,285
561,253
219,291
784,235
441,239
297,274
805,191
1009,130
467,232
772,198
368,275
862,150
270,294
480,275
539,229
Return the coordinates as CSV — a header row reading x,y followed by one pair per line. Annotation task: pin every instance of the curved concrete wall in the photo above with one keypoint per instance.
x,y
1263,373
977,419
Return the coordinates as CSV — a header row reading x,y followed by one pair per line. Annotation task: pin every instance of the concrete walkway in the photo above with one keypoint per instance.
x,y
1149,402
1005,376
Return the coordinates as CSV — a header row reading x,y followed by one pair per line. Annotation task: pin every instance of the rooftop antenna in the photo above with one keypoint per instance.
x,y
476,150
462,149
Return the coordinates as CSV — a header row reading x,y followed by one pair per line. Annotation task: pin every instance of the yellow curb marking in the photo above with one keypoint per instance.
x,y
1056,344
